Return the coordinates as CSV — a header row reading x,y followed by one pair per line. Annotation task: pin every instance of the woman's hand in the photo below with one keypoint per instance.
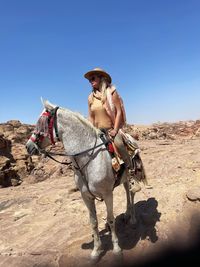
x,y
112,133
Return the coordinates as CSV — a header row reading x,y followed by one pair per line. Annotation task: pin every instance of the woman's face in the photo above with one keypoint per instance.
x,y
95,81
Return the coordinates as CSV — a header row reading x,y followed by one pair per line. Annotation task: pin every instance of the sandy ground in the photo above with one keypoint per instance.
x,y
46,224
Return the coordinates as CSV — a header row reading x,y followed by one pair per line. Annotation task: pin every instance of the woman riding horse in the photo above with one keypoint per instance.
x,y
106,112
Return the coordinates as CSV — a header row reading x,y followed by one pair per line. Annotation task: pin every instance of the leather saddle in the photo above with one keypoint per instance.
x,y
117,162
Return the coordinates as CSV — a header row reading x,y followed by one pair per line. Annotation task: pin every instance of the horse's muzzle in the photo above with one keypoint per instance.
x,y
32,148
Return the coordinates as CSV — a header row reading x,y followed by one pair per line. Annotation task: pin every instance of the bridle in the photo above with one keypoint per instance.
x,y
52,125
51,118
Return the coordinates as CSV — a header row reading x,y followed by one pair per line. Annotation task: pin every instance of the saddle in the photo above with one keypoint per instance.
x,y
117,162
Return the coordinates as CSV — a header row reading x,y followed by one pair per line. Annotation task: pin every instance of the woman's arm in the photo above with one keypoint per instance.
x,y
118,118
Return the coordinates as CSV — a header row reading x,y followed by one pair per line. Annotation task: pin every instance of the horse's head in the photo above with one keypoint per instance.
x,y
43,134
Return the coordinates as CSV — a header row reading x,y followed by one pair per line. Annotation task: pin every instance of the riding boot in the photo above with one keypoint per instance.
x,y
133,183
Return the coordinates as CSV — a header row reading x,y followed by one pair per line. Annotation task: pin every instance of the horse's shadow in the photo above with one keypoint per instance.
x,y
129,235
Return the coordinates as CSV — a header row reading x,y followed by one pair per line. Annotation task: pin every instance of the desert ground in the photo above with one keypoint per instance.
x,y
46,223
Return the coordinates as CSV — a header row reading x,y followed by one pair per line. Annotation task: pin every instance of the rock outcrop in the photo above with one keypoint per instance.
x,y
15,164
170,131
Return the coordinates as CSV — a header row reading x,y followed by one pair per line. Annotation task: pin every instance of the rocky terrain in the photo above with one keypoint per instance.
x,y
45,223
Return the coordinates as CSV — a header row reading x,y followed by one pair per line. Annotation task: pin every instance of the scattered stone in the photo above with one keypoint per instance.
x,y
193,194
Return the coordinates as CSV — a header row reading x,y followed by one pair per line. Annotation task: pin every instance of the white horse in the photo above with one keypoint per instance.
x,y
94,174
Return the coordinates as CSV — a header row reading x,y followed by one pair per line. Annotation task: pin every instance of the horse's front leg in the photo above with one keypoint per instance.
x,y
111,222
130,208
90,203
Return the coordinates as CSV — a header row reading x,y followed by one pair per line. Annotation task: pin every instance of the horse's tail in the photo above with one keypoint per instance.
x,y
143,174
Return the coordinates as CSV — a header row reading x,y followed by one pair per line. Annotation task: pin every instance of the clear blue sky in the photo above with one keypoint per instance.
x,y
151,48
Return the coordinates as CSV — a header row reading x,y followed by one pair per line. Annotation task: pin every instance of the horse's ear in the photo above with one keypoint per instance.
x,y
47,105
43,102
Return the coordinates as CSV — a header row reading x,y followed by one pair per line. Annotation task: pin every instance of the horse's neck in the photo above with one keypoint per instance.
x,y
76,135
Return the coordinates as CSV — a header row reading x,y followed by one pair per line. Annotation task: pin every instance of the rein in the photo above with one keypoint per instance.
x,y
48,154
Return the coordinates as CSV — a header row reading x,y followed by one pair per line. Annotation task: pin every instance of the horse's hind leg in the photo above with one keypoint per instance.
x,y
111,221
130,208
94,223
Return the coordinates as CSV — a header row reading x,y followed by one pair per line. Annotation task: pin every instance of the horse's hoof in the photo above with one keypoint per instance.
x,y
117,251
94,259
95,256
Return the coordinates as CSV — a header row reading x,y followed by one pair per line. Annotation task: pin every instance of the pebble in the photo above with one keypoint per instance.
x,y
193,194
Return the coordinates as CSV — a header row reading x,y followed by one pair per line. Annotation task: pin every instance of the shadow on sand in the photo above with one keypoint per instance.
x,y
129,235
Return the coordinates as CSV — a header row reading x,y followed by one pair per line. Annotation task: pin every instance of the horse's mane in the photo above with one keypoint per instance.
x,y
85,121
72,114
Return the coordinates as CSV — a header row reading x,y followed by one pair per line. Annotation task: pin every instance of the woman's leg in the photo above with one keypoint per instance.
x,y
118,141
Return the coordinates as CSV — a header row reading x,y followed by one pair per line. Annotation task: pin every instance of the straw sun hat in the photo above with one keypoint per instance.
x,y
98,71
